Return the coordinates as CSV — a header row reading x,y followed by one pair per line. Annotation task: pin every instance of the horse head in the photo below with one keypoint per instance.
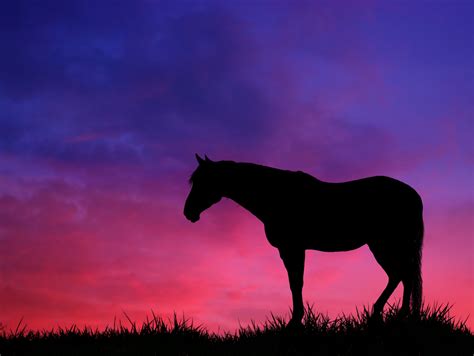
x,y
204,191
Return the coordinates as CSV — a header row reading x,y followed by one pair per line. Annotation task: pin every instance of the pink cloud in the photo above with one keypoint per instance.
x,y
83,253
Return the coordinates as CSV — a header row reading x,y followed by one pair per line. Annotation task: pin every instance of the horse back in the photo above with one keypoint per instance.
x,y
372,193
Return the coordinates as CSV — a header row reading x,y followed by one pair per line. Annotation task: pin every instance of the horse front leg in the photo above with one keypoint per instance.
x,y
294,264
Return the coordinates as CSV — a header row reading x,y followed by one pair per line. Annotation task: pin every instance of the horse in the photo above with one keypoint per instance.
x,y
300,212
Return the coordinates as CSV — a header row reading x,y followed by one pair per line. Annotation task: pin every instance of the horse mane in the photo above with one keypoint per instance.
x,y
246,166
200,168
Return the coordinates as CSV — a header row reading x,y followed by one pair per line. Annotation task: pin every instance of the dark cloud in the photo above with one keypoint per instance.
x,y
141,70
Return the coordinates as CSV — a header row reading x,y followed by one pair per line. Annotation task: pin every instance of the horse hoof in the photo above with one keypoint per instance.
x,y
294,325
403,314
375,319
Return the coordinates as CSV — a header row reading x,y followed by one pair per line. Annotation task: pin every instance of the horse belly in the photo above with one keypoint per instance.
x,y
334,244
332,236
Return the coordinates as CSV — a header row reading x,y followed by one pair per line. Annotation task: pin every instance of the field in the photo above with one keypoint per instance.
x,y
434,332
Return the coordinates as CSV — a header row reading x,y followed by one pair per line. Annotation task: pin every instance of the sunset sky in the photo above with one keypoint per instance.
x,y
104,104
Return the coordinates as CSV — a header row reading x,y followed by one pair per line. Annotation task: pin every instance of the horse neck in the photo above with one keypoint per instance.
x,y
244,185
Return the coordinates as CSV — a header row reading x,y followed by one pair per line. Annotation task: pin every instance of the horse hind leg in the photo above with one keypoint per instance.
x,y
383,298
387,261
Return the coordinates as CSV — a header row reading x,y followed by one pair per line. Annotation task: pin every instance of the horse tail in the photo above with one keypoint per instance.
x,y
417,291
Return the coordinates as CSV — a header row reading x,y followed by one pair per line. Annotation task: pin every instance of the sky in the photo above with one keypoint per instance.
x,y
104,104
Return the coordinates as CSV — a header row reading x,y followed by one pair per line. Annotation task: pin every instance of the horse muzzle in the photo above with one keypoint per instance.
x,y
191,217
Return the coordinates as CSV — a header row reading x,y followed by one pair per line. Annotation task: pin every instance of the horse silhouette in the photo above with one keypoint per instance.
x,y
300,212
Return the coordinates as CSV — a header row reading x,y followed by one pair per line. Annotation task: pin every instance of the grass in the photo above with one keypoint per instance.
x,y
433,332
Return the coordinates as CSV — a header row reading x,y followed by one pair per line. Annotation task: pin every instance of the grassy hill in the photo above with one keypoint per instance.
x,y
434,332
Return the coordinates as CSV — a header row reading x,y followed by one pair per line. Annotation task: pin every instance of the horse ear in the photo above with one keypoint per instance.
x,y
207,158
199,159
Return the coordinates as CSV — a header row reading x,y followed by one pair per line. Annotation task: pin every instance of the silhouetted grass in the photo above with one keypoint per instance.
x,y
434,332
